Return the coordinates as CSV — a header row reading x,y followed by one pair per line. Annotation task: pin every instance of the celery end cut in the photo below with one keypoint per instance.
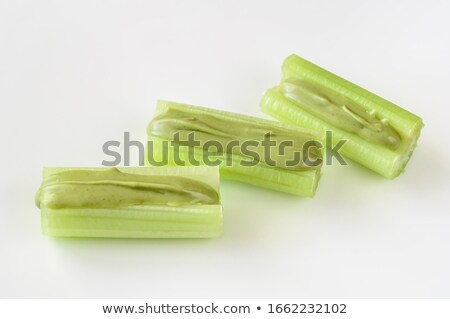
x,y
131,202
379,134
223,127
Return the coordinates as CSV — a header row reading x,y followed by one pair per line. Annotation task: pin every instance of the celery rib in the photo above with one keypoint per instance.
x,y
224,127
380,135
142,214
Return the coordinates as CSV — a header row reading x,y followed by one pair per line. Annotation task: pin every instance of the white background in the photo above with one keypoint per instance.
x,y
76,74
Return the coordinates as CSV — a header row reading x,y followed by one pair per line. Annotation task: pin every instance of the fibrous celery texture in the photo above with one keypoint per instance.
x,y
295,169
141,202
379,134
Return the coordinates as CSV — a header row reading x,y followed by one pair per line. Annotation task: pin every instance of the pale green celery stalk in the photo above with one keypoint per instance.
x,y
380,135
131,202
223,127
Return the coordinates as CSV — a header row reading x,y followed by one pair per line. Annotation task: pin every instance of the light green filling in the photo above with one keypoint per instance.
x,y
80,188
340,112
209,128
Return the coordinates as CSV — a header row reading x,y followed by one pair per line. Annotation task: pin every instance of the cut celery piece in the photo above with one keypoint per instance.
x,y
224,127
380,135
128,202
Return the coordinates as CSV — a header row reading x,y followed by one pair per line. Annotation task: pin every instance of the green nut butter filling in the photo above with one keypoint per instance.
x,y
103,188
340,112
209,129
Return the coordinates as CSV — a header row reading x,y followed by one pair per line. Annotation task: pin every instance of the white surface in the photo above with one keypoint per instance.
x,y
73,76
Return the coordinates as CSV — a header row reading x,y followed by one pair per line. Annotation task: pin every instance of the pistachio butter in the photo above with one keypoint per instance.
x,y
79,188
340,112
288,144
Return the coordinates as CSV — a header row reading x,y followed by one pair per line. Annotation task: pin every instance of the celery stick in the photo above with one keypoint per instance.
x,y
139,202
223,127
380,135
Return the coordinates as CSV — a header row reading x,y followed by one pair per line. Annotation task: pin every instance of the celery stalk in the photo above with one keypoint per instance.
x,y
223,127
131,202
380,135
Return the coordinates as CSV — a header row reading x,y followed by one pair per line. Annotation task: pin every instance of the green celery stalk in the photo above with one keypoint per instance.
x,y
223,127
131,202
380,135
